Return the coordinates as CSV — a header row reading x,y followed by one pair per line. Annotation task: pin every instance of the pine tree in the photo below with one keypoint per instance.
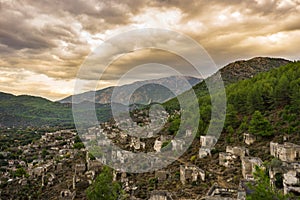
x,y
104,188
281,92
262,190
260,126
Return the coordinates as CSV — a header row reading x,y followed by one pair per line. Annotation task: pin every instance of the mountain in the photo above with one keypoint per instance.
x,y
234,72
265,105
245,69
155,90
29,111
24,110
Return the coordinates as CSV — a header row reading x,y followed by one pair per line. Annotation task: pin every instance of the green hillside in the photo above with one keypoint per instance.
x,y
22,111
265,105
234,72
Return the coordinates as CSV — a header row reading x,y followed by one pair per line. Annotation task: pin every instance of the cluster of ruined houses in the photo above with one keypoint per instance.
x,y
60,150
60,159
233,156
103,136
287,153
151,123
33,152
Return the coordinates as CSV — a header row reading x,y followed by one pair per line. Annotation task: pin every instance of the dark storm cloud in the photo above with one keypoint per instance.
x,y
52,38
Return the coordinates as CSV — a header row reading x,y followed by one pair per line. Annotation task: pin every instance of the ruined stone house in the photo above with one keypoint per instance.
x,y
217,192
158,143
248,166
189,174
204,152
249,138
208,141
227,159
137,144
291,182
237,151
287,152
120,176
177,145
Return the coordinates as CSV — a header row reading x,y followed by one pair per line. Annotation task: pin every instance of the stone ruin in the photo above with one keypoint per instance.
x,y
124,178
290,173
244,189
157,145
177,144
159,142
227,159
189,174
137,144
287,152
120,176
291,182
237,151
162,175
160,195
273,171
188,133
216,192
249,138
248,166
204,152
207,142
67,195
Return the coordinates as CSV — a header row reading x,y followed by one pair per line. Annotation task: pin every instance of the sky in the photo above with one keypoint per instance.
x,y
43,44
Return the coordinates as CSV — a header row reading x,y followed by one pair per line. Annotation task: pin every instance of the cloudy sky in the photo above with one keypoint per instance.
x,y
43,43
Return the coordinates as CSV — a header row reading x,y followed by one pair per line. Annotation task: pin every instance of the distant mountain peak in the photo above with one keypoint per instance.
x,y
145,90
243,69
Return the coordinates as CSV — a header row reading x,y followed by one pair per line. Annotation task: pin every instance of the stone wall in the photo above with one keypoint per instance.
x,y
248,166
237,151
189,174
291,182
287,152
249,138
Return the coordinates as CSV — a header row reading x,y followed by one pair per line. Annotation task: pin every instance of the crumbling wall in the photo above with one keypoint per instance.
x,y
189,174
248,166
287,152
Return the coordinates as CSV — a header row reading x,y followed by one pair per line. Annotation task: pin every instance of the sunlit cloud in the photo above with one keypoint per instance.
x,y
44,43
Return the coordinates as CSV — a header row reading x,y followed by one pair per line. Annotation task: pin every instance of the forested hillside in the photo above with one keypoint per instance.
x,y
23,111
265,105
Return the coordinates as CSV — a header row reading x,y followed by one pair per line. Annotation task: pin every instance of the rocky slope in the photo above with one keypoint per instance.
x,y
147,91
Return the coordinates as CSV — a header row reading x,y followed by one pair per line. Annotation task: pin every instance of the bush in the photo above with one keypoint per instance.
x,y
104,188
78,145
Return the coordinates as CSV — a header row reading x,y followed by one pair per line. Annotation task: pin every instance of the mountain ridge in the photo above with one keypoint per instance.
x,y
104,96
25,110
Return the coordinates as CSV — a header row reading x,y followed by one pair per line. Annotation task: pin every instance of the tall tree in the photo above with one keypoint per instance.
x,y
254,99
104,188
262,190
281,92
260,126
295,95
